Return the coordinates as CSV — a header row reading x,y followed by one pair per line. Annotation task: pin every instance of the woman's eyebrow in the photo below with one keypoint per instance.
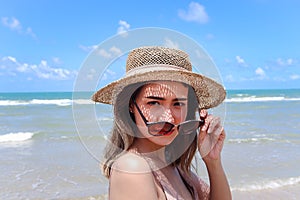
x,y
155,97
161,98
180,99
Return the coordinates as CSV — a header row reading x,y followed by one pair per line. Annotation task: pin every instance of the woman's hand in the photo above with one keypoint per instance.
x,y
211,137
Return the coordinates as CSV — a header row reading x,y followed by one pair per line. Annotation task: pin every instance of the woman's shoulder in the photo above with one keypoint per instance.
x,y
131,162
131,178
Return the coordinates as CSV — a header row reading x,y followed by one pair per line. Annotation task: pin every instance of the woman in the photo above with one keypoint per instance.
x,y
159,123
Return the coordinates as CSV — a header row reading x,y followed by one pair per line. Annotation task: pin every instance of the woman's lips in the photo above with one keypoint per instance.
x,y
169,133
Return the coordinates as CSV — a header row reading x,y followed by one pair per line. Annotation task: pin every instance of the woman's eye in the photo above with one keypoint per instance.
x,y
179,104
152,103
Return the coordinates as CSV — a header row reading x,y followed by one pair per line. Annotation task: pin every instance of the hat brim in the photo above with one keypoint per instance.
x,y
209,92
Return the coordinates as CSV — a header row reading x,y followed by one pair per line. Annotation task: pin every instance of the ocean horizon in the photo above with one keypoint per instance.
x,y
51,149
67,98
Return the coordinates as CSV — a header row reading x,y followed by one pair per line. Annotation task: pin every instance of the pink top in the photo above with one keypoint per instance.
x,y
198,191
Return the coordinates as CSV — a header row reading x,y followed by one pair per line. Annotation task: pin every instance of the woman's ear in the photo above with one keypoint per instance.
x,y
130,106
131,111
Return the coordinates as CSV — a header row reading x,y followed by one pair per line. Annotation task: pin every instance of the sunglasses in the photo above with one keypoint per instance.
x,y
163,128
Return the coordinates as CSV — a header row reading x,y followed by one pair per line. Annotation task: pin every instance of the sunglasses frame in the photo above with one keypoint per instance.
x,y
149,124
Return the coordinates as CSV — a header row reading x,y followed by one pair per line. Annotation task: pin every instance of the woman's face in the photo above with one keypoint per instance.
x,y
161,101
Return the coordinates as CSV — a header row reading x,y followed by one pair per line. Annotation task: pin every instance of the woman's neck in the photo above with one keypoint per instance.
x,y
147,148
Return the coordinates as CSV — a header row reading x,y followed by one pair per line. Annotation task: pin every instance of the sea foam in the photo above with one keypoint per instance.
x,y
57,102
259,99
251,140
16,137
271,184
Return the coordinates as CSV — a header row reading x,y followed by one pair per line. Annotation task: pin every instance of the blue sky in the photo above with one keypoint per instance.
x,y
254,43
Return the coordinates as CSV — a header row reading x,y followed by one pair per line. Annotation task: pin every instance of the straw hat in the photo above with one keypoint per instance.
x,y
148,64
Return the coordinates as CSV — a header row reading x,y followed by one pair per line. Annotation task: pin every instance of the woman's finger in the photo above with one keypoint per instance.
x,y
215,126
203,114
203,129
207,121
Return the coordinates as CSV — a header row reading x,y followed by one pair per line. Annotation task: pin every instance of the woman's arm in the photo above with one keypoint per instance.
x,y
210,144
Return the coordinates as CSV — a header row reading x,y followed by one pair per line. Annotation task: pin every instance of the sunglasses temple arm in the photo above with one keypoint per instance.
x,y
140,112
202,121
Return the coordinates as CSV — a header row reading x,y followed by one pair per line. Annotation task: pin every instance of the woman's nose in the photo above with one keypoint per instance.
x,y
167,116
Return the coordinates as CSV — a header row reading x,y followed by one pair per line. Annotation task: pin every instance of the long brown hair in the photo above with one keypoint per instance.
x,y
124,129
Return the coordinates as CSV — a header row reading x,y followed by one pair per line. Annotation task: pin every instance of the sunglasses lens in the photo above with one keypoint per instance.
x,y
163,128
160,128
189,127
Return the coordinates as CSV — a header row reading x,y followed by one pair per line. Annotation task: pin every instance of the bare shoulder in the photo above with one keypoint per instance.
x,y
132,163
131,178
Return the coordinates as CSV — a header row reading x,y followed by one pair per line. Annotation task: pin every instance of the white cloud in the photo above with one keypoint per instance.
x,y
171,44
240,60
202,55
43,70
290,61
123,28
15,25
56,60
91,74
23,67
11,23
196,13
104,77
229,78
295,77
104,53
88,48
113,51
108,74
30,32
285,62
12,59
10,66
260,72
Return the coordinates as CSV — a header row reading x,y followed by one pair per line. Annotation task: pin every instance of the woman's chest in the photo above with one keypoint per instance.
x,y
172,185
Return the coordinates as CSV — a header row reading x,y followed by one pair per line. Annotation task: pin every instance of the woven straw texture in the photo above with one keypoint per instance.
x,y
148,64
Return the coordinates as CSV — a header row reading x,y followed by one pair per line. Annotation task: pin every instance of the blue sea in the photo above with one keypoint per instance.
x,y
51,145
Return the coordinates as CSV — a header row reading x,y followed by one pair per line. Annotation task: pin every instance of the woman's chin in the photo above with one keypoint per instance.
x,y
165,139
